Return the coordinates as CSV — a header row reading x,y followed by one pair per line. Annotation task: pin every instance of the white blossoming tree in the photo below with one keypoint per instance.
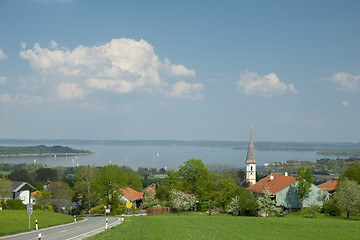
x,y
182,201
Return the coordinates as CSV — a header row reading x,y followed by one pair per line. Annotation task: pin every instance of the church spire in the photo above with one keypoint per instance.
x,y
250,158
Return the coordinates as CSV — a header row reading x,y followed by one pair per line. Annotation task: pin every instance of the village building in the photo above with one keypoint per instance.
x,y
22,191
283,188
329,186
150,190
131,195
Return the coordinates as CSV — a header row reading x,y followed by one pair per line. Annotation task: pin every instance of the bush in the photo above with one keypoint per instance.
x,y
97,210
15,204
48,208
120,210
37,207
330,208
157,211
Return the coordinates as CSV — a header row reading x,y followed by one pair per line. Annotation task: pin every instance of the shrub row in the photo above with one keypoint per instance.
x,y
157,211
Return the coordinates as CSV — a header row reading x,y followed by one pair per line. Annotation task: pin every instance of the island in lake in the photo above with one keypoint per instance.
x,y
40,150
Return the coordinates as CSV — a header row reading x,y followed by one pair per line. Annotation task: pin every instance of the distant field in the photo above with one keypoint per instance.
x,y
197,226
16,221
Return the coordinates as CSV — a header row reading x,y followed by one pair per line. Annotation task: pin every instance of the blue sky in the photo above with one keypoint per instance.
x,y
183,70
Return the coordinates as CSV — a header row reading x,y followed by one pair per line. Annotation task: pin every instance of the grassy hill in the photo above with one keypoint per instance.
x,y
18,220
201,226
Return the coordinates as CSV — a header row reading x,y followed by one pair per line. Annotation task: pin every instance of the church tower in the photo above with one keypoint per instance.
x,y
251,163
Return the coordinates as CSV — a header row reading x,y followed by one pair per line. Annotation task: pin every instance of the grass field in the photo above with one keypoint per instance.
x,y
201,226
16,221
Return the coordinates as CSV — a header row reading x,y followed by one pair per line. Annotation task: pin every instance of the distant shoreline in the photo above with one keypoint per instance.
x,y
42,154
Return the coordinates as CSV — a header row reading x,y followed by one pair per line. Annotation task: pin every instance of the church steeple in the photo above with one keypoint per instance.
x,y
250,158
251,162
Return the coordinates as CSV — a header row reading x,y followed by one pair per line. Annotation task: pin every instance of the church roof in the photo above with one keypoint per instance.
x,y
273,183
250,158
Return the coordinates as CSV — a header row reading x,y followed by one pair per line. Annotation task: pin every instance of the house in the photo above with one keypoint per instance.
x,y
284,190
131,195
150,190
329,186
22,191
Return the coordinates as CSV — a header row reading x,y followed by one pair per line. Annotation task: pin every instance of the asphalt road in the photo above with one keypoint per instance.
x,y
89,226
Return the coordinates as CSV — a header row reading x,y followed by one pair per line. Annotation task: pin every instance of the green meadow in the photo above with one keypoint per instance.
x,y
201,226
16,221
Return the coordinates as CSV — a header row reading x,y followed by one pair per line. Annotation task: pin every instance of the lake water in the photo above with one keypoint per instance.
x,y
154,155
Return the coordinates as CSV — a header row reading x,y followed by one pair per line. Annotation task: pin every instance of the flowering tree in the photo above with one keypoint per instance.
x,y
234,205
182,201
348,196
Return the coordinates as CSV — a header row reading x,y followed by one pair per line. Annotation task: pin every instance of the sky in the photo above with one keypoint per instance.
x,y
180,70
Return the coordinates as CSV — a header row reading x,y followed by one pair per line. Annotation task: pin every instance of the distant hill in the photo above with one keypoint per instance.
x,y
18,151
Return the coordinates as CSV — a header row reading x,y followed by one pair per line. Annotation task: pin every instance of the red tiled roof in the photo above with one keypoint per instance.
x,y
151,190
132,194
276,184
329,185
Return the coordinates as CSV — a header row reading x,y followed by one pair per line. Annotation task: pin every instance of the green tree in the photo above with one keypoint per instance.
x,y
352,172
348,196
85,186
267,205
224,188
5,189
134,180
43,197
108,182
61,194
47,174
304,185
194,177
21,175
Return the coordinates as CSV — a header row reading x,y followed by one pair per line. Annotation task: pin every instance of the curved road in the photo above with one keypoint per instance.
x,y
79,230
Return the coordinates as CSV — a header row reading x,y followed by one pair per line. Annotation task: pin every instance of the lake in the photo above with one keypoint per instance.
x,y
155,154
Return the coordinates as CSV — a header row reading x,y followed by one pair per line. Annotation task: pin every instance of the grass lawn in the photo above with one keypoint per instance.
x,y
201,226
16,221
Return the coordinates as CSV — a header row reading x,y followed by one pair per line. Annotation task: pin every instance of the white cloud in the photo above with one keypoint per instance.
x,y
186,90
346,81
121,66
3,56
53,44
22,45
269,85
3,80
6,98
20,98
69,91
344,104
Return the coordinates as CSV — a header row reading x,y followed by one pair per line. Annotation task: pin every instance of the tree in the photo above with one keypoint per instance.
x,y
61,194
182,201
21,175
194,177
267,205
5,189
47,174
85,186
108,182
144,172
304,185
352,172
134,180
348,196
43,197
224,188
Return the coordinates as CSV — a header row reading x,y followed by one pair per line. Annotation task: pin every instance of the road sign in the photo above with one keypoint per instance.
x,y
128,204
29,208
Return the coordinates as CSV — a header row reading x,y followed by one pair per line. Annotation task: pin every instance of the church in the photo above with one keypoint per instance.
x,y
250,163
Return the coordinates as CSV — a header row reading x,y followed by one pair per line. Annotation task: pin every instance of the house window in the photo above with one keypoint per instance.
x,y
251,168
